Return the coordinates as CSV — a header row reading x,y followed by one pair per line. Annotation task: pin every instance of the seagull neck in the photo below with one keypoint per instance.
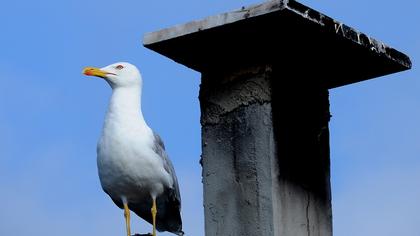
x,y
125,103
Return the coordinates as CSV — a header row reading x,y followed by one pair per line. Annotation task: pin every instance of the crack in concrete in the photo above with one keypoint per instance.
x,y
216,119
308,228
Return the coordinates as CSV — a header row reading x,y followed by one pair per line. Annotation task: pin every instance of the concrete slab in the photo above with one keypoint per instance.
x,y
282,32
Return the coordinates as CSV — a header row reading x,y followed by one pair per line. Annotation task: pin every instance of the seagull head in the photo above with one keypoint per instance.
x,y
120,74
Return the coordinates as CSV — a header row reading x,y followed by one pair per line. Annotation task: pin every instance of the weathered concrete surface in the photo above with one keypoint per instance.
x,y
265,155
283,31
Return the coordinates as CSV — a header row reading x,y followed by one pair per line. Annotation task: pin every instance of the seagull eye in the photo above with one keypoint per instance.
x,y
119,67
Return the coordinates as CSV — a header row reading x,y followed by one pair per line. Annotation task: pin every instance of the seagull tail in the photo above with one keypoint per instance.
x,y
180,233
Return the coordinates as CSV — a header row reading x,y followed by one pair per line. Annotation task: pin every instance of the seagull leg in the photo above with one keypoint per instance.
x,y
154,211
127,218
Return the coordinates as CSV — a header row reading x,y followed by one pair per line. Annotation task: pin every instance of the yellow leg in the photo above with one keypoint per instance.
x,y
127,218
154,211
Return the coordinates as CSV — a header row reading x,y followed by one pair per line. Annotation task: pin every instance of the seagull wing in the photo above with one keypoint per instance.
x,y
168,203
159,148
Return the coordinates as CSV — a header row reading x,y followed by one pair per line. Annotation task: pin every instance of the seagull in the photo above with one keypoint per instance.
x,y
134,169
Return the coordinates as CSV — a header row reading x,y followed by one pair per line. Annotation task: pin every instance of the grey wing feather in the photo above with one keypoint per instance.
x,y
159,148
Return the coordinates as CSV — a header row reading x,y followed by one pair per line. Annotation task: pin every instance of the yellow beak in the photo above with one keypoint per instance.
x,y
92,71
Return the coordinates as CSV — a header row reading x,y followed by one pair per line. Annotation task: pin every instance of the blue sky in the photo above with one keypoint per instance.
x,y
51,115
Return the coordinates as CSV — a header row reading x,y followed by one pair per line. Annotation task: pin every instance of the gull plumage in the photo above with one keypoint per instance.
x,y
133,166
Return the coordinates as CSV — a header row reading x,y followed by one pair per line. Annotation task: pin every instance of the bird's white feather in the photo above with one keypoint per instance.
x,y
128,167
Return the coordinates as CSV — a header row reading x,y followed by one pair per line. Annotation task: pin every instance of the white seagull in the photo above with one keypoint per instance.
x,y
133,167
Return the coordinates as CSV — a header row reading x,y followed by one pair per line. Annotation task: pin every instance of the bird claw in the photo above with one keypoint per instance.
x,y
148,234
